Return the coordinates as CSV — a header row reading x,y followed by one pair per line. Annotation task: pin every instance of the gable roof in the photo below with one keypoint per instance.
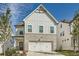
x,y
45,10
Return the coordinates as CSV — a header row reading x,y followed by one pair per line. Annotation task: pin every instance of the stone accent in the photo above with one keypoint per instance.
x,y
40,38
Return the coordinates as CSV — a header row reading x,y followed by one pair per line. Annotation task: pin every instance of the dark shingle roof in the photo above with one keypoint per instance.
x,y
65,21
20,24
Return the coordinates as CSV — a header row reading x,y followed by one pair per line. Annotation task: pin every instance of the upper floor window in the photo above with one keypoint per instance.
x,y
61,25
67,39
51,29
29,28
21,32
63,33
60,34
41,29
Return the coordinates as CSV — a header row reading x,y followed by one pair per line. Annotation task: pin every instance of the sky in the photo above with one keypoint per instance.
x,y
59,10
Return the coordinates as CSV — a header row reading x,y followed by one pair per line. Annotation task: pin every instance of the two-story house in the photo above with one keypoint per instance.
x,y
40,31
66,40
37,32
19,36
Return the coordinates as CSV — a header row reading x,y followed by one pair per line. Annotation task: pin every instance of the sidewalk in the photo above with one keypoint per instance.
x,y
32,53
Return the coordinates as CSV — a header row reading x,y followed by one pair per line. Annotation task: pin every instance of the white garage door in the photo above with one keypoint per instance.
x,y
40,46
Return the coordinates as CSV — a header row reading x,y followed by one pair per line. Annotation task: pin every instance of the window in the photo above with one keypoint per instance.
x,y
61,25
51,29
21,32
62,41
29,28
67,39
63,33
41,29
60,34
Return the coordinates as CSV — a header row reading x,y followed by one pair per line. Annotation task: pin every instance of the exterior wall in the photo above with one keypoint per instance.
x,y
40,19
71,26
65,41
40,38
59,40
36,20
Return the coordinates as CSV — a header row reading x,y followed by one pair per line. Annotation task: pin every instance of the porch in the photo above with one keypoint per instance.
x,y
20,43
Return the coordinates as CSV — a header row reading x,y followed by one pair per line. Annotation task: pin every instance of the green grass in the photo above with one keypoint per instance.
x,y
69,53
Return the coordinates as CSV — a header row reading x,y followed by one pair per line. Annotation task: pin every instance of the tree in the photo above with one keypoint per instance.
x,y
75,31
74,38
5,27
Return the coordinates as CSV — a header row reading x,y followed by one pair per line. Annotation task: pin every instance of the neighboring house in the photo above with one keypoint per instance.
x,y
65,37
19,36
40,31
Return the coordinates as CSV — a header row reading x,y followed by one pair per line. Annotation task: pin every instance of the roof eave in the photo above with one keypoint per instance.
x,y
45,9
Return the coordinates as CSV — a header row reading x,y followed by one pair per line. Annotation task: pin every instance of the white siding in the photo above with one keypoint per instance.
x,y
64,41
71,27
40,19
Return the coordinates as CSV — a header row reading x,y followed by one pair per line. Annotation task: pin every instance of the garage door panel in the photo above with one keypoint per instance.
x,y
32,46
40,46
45,46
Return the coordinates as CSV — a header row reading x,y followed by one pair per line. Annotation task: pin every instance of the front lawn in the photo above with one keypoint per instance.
x,y
69,53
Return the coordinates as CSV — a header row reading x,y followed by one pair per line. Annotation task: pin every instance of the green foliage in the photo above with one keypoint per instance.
x,y
1,54
69,53
10,52
5,26
60,48
75,26
13,52
75,31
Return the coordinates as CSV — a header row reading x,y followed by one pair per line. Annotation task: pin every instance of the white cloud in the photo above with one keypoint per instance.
x,y
16,10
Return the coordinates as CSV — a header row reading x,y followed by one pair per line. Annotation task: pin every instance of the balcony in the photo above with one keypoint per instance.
x,y
19,33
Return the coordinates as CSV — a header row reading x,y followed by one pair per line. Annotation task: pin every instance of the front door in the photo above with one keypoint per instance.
x,y
21,44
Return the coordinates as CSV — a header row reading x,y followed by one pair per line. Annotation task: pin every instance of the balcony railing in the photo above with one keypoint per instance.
x,y
20,33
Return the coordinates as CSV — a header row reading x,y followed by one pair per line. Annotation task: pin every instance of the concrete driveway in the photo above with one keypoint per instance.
x,y
32,53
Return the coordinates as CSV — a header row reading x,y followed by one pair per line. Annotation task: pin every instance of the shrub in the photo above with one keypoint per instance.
x,y
1,54
13,52
10,52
